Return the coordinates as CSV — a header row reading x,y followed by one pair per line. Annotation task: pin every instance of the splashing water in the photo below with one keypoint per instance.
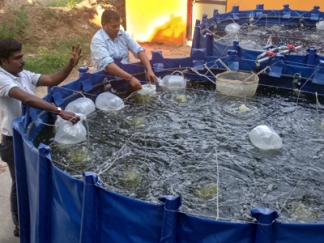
x,y
175,146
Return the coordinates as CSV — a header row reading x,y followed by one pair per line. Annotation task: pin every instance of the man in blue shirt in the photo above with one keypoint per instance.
x,y
109,42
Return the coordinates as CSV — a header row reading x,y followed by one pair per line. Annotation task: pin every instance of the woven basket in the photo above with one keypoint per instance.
x,y
237,83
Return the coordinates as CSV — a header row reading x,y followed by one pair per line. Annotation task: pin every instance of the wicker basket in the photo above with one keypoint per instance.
x,y
237,83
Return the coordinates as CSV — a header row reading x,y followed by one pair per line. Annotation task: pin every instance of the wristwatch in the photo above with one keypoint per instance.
x,y
59,109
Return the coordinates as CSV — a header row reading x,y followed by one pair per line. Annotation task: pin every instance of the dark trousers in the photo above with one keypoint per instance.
x,y
7,155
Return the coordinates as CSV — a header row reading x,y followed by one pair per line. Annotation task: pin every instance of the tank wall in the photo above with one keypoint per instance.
x,y
57,208
54,207
275,4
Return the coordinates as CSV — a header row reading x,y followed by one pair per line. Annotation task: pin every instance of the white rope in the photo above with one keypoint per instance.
x,y
319,105
217,183
196,167
304,85
296,186
112,163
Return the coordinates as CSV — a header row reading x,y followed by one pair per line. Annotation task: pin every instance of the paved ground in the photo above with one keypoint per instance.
x,y
6,224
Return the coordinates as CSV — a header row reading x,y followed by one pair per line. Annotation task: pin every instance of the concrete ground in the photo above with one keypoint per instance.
x,y
6,224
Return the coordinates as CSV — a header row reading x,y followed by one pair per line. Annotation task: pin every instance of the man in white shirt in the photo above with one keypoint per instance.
x,y
109,42
17,86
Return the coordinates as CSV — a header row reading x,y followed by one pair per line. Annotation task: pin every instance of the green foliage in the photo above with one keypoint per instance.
x,y
5,30
21,21
17,25
41,60
64,3
57,3
71,3
45,61
49,13
65,45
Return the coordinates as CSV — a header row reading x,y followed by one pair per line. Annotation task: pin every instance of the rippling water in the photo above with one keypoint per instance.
x,y
257,37
173,143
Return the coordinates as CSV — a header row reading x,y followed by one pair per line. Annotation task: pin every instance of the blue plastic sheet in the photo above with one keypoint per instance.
x,y
54,207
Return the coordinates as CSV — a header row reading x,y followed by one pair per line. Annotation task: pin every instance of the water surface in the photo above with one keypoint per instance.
x,y
174,144
257,37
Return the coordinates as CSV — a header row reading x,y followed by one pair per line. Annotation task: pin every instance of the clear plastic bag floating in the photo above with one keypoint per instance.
x,y
67,133
107,101
237,83
147,94
232,28
320,25
265,138
81,105
173,82
147,89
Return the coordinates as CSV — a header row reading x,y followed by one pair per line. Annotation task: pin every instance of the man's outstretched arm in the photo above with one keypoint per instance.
x,y
36,102
60,76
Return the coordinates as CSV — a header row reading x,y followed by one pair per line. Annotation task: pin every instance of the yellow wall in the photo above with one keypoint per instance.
x,y
157,20
206,8
198,9
275,4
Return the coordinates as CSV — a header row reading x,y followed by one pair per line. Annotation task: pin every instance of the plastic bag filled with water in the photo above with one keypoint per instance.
x,y
172,82
82,105
67,133
107,101
232,28
264,137
147,89
320,25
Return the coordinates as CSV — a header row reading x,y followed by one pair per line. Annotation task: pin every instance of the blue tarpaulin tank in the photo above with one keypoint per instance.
x,y
55,207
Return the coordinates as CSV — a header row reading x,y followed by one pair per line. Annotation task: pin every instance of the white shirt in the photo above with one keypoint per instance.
x,y
10,108
104,49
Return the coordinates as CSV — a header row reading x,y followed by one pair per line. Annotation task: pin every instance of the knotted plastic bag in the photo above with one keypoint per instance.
x,y
107,101
264,137
81,105
147,89
232,28
67,133
320,25
172,82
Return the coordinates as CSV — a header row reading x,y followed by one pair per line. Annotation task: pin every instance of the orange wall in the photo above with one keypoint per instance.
x,y
275,4
162,21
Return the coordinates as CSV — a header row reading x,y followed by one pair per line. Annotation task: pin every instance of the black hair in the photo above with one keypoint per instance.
x,y
108,15
9,46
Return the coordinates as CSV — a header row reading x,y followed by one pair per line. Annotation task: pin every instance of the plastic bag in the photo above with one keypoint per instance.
x,y
232,28
264,137
147,89
320,25
82,105
107,101
67,133
172,82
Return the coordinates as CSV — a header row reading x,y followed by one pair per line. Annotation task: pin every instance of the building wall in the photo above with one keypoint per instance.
x,y
162,21
206,7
